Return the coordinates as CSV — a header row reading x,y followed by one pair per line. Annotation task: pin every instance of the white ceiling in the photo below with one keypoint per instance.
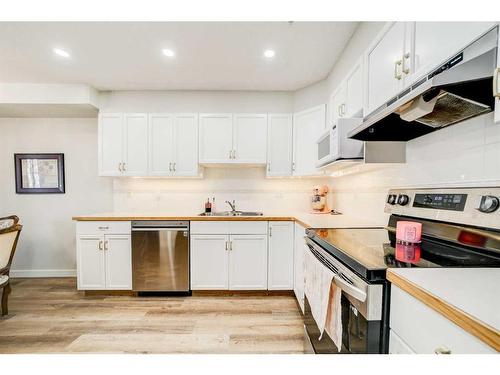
x,y
209,55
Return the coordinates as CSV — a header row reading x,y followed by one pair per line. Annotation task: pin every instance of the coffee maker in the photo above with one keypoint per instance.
x,y
319,202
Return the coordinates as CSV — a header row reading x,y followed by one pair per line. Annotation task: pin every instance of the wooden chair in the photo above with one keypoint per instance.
x,y
9,235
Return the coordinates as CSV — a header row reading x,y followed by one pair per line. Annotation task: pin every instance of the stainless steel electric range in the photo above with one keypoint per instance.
x,y
460,228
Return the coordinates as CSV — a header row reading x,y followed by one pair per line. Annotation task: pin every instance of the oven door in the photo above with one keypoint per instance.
x,y
363,330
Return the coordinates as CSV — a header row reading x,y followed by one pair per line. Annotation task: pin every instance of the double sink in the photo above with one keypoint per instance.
x,y
231,213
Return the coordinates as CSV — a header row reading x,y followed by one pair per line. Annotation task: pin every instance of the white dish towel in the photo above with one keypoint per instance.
x,y
317,289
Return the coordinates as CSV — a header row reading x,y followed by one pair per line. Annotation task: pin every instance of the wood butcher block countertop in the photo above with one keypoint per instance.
x,y
305,219
469,297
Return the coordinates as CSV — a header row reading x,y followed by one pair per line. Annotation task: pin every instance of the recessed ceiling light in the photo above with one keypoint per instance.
x,y
269,53
61,52
168,52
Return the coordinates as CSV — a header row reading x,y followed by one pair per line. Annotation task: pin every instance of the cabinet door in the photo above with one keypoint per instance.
x,y
307,128
250,138
110,144
161,141
385,61
337,103
118,251
281,241
354,92
248,262
90,262
186,145
216,138
279,145
209,262
136,144
298,262
434,42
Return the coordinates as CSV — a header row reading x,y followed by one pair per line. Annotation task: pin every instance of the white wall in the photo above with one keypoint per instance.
x,y
47,243
196,101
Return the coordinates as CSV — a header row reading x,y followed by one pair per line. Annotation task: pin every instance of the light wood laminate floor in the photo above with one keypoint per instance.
x,y
51,316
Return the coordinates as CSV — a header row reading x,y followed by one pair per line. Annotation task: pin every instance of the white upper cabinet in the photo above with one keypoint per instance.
x,y
110,144
385,65
250,138
354,92
307,128
233,139
435,42
185,161
279,145
135,159
161,143
216,138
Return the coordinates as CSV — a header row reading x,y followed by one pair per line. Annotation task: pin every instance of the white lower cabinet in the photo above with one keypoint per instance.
x,y
248,262
209,262
281,241
104,261
417,328
234,262
299,249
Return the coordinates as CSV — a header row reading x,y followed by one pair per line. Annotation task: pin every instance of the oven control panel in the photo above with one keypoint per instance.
x,y
453,202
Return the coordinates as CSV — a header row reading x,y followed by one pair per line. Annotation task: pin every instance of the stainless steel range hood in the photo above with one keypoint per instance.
x,y
457,90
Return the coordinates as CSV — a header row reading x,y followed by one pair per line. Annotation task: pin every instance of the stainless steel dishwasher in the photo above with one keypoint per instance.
x,y
160,256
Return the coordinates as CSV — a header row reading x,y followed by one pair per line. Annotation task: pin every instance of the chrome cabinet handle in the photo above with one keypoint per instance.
x,y
120,167
174,167
105,245
269,167
496,89
170,167
124,169
343,109
397,64
103,228
226,246
293,166
230,245
230,154
234,154
339,111
270,231
406,69
100,245
442,350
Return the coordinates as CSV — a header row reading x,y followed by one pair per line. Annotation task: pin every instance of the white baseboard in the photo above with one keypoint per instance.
x,y
42,273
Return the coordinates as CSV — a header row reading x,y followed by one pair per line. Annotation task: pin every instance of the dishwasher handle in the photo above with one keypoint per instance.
x,y
157,229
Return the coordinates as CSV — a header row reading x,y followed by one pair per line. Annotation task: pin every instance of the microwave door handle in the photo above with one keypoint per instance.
x,y
350,289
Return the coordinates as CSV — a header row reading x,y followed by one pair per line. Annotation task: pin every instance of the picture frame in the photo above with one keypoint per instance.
x,y
39,173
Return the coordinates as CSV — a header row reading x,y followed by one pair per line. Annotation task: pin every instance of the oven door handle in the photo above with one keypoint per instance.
x,y
349,289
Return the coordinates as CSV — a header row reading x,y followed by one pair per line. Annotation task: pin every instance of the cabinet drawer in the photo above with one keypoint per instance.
x,y
228,227
425,330
104,227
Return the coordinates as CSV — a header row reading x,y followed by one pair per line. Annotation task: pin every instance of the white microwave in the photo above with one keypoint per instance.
x,y
334,145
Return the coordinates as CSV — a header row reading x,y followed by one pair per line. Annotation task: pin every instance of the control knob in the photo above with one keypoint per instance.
x,y
391,199
427,199
488,204
403,199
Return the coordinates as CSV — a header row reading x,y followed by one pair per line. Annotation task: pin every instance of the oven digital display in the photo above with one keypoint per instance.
x,y
452,202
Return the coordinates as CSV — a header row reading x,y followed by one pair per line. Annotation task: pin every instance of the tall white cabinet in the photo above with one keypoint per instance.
x,y
279,145
281,241
307,128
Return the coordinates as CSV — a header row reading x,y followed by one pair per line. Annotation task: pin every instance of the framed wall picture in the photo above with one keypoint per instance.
x,y
39,173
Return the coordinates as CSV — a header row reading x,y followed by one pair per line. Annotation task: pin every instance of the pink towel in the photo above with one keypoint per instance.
x,y
333,325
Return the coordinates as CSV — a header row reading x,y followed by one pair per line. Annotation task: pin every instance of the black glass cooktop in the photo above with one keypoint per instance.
x,y
370,251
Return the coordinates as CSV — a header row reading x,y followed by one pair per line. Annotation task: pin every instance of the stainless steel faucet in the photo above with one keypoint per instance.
x,y
233,205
